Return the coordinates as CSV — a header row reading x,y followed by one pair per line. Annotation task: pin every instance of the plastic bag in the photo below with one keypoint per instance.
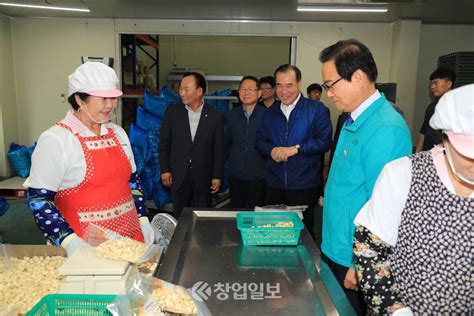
x,y
137,301
161,195
171,298
164,296
224,104
148,120
138,136
156,104
149,296
120,306
20,159
5,262
31,149
169,95
111,245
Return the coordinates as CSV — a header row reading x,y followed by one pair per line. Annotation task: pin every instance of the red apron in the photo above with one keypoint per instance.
x,y
104,197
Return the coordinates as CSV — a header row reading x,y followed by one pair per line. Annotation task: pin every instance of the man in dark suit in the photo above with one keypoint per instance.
x,y
192,147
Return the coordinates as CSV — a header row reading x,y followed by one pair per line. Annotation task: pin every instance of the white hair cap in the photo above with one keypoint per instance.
x,y
454,114
94,78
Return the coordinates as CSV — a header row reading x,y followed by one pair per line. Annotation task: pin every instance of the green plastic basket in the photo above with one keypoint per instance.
x,y
72,305
268,257
253,234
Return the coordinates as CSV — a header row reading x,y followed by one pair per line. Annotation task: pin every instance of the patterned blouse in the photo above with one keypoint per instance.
x,y
430,267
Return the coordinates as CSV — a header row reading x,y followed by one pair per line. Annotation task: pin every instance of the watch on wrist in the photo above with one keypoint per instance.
x,y
297,146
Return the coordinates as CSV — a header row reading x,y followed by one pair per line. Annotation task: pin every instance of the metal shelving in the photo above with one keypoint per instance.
x,y
131,85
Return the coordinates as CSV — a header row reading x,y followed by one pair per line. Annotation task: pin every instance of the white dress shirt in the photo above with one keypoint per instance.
x,y
194,117
58,160
286,109
382,213
364,105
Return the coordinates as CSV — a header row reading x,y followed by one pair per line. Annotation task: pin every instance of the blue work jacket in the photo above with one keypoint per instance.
x,y
378,136
308,126
245,163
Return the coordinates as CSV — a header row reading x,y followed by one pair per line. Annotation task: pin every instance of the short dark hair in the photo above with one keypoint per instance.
x,y
444,73
288,67
350,55
72,100
313,87
257,82
200,80
268,79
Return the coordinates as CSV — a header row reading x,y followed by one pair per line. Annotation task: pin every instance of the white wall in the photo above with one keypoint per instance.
x,y
8,109
436,40
404,63
313,38
224,55
46,51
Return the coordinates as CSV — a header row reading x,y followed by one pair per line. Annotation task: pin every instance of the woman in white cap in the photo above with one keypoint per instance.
x,y
414,237
83,169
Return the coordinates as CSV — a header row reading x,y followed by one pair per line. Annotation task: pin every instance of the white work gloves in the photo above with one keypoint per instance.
x,y
71,243
147,231
406,311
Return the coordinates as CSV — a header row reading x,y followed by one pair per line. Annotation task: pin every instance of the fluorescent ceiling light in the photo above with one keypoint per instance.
x,y
47,7
325,8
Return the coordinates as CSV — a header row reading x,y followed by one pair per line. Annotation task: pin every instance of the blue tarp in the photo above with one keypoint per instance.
x,y
145,136
156,104
148,120
167,94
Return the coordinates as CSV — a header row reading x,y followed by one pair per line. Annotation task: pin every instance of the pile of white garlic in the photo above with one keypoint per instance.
x,y
23,282
124,249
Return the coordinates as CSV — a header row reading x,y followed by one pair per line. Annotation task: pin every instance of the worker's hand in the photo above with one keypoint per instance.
x,y
72,243
147,231
283,153
350,281
167,179
215,185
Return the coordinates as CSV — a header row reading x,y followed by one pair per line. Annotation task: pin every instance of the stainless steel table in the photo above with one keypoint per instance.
x,y
206,254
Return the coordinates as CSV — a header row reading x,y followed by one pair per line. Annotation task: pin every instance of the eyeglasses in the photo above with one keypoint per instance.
x,y
327,87
248,90
267,89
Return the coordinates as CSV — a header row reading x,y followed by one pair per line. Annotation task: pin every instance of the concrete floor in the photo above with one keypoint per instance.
x,y
17,225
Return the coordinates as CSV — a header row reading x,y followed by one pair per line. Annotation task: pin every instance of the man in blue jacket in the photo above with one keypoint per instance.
x,y
246,165
293,134
373,134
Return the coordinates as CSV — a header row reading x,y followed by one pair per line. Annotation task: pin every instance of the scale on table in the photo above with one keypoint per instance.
x,y
86,274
